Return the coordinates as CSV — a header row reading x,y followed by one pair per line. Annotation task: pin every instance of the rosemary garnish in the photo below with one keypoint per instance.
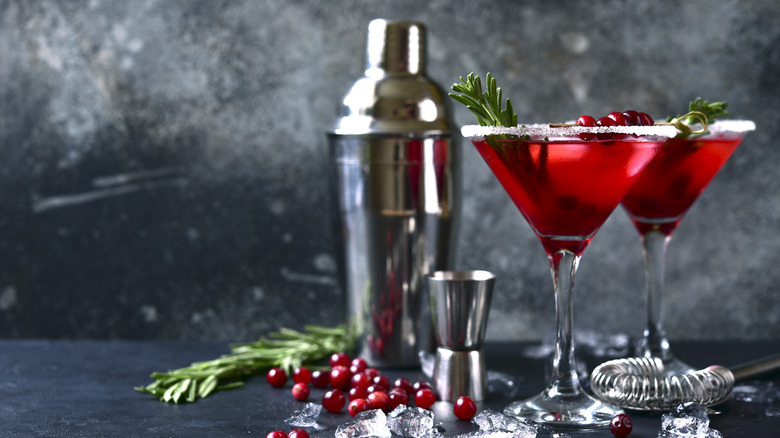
x,y
286,348
696,110
486,105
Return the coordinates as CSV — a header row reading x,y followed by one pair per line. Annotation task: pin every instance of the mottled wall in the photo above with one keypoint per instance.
x,y
162,163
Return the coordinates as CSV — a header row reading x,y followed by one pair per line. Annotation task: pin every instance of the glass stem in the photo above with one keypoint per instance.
x,y
655,343
564,379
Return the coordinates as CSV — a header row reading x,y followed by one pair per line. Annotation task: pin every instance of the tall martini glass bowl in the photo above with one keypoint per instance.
x,y
566,181
656,204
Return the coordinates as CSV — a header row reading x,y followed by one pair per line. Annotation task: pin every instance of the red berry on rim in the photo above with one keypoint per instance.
x,y
276,377
357,392
379,400
357,406
621,425
605,121
619,118
337,359
276,434
646,120
301,391
333,400
301,375
465,408
298,433
632,117
320,379
424,398
586,120
340,377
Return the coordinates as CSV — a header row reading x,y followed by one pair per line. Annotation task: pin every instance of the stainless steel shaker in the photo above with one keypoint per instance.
x,y
396,176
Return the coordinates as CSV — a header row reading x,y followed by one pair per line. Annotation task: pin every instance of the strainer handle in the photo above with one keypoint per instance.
x,y
757,368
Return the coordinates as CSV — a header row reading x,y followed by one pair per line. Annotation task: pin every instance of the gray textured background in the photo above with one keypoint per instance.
x,y
163,162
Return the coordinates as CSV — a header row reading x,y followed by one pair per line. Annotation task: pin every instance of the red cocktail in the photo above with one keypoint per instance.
x,y
566,187
657,203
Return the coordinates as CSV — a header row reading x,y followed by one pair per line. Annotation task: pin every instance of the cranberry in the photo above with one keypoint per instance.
x,y
379,400
320,379
372,372
420,384
382,381
276,377
403,384
465,408
621,425
398,397
301,375
375,388
337,359
357,406
619,118
605,121
333,400
276,434
424,398
358,365
646,120
632,117
586,120
301,391
357,392
340,377
298,433
360,380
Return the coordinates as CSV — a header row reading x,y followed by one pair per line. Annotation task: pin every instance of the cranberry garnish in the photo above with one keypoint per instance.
x,y
424,398
320,378
333,400
586,120
357,406
360,380
632,117
646,120
298,433
605,121
379,400
403,384
382,381
276,434
276,377
301,375
465,408
301,391
398,397
621,425
357,392
340,377
337,359
619,118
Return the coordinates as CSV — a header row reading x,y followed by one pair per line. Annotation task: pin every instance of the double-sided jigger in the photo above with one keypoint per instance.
x,y
460,301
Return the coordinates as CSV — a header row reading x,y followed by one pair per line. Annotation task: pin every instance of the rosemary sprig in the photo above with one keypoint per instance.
x,y
697,108
486,105
286,348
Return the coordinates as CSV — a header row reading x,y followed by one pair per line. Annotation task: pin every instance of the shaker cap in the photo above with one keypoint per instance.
x,y
396,47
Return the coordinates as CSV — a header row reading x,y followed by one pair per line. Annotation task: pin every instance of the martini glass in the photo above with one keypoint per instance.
x,y
657,203
566,187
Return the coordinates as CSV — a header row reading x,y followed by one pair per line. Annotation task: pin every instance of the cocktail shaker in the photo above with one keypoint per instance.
x,y
397,181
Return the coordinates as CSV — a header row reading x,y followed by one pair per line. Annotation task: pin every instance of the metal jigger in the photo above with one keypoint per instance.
x,y
460,301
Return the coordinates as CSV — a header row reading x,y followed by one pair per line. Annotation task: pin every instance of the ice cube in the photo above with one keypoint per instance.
x,y
492,421
306,417
756,392
501,384
688,420
366,424
772,411
411,422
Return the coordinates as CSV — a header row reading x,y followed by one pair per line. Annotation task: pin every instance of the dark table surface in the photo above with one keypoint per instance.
x,y
85,389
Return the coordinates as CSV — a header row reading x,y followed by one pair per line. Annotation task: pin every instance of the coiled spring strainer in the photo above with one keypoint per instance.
x,y
639,383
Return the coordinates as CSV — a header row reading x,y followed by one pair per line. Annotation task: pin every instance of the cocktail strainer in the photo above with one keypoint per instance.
x,y
639,383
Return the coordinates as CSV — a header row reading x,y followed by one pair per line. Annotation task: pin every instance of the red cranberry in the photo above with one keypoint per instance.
x,y
605,121
276,377
301,375
420,384
382,381
301,391
621,425
333,400
298,433
619,118
320,378
375,388
465,408
337,359
424,398
372,372
276,434
340,377
586,120
632,117
358,365
357,392
397,397
403,384
360,380
357,406
379,400
646,120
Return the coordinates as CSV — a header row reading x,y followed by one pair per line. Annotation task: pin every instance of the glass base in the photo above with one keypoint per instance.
x,y
580,411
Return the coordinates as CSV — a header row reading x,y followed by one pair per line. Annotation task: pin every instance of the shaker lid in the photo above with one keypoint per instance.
x,y
396,47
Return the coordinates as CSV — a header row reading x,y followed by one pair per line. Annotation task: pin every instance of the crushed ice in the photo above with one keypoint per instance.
x,y
412,422
366,424
306,417
496,425
756,392
688,420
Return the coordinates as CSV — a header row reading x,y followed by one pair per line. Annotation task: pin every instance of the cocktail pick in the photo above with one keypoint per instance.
x,y
639,383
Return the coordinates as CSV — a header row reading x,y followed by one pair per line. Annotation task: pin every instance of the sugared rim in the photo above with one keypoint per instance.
x,y
544,130
721,126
